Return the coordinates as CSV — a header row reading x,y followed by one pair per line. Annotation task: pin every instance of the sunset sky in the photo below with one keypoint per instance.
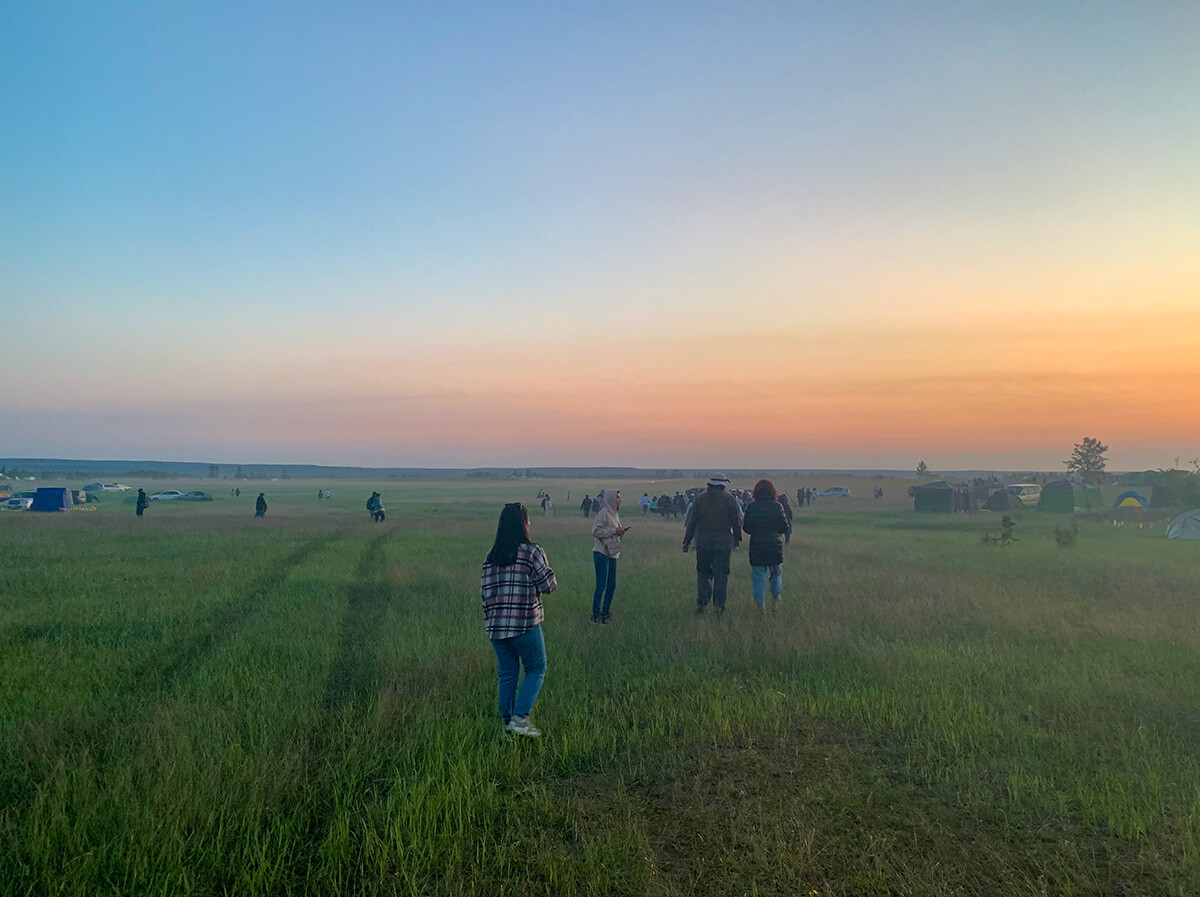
x,y
654,234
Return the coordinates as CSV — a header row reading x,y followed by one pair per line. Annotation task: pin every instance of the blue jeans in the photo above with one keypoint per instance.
x,y
528,650
758,582
606,583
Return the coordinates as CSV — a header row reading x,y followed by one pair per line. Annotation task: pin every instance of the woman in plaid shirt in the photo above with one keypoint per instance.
x,y
515,576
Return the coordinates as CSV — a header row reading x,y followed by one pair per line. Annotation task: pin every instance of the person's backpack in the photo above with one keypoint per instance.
x,y
371,503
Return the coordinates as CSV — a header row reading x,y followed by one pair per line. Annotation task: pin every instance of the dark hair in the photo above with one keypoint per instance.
x,y
765,489
511,533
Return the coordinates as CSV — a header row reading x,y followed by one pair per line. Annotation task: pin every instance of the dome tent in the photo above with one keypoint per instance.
x,y
1003,500
1185,526
934,498
1131,499
1067,497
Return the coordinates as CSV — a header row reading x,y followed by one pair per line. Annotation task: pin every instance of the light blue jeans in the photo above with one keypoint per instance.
x,y
758,582
528,650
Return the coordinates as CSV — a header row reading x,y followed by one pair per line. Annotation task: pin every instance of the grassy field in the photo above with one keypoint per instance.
x,y
198,702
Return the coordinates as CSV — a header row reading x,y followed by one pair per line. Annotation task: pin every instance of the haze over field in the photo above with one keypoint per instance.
x,y
774,235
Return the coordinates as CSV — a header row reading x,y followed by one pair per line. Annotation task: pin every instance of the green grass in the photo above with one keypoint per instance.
x,y
201,703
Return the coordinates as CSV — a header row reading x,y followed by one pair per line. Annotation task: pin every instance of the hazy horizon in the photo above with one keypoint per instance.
x,y
854,235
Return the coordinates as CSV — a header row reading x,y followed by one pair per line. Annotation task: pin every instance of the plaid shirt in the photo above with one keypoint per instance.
x,y
512,596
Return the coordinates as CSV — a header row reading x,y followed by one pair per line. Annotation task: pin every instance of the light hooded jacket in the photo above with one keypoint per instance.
x,y
604,530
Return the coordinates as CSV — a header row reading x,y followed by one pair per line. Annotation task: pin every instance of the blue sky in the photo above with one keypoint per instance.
x,y
229,204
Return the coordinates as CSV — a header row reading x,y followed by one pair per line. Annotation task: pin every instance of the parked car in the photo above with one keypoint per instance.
x,y
166,495
834,492
105,487
197,495
18,504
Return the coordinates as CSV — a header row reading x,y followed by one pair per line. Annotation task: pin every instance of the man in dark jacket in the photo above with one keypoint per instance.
x,y
260,505
142,502
766,523
586,505
714,523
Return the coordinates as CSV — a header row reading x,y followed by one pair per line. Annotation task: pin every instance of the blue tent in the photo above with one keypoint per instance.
x,y
51,498
1131,499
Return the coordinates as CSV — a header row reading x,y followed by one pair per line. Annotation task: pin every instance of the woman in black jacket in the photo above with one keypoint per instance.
x,y
766,524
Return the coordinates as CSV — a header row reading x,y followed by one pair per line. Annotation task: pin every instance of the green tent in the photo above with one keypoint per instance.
x,y
1003,500
934,498
1067,497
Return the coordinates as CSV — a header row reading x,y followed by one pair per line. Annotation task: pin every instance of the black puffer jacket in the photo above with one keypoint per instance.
x,y
767,525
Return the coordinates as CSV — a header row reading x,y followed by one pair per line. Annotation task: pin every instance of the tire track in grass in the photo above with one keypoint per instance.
x,y
34,751
223,623
354,676
355,670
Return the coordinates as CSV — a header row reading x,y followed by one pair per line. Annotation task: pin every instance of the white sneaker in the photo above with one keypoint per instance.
x,y
520,725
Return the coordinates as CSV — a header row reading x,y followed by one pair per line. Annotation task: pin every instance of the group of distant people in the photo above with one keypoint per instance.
x,y
374,503
516,573
260,504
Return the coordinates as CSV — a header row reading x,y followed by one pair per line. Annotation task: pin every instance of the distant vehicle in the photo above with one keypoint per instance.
x,y
166,495
834,492
18,504
1029,493
105,487
197,495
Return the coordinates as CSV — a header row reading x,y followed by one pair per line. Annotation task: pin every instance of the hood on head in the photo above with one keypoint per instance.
x,y
610,498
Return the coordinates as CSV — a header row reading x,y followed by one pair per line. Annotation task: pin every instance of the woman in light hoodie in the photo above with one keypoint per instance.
x,y
607,532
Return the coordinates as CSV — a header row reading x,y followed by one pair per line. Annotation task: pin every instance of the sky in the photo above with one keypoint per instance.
x,y
802,235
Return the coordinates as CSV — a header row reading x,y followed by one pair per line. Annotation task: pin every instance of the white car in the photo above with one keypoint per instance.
x,y
166,495
835,492
18,504
105,487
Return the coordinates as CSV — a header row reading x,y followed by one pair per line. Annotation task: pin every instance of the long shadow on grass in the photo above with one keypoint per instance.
x,y
355,670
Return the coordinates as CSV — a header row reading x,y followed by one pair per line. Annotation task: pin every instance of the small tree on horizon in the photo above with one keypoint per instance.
x,y
922,469
1087,459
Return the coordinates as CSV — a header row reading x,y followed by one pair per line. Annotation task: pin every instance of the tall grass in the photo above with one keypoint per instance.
x,y
206,705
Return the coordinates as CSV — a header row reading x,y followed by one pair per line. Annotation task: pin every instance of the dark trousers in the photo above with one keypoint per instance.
x,y
712,576
606,583
139,511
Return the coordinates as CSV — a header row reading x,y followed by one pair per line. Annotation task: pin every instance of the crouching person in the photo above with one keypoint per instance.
x,y
515,576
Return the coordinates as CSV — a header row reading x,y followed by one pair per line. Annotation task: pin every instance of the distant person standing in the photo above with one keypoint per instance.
x,y
142,502
787,512
327,493
260,505
766,524
607,533
237,493
320,495
375,506
586,505
516,575
715,524
644,503
547,505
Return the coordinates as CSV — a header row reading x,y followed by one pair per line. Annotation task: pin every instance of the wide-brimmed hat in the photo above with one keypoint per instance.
x,y
719,479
